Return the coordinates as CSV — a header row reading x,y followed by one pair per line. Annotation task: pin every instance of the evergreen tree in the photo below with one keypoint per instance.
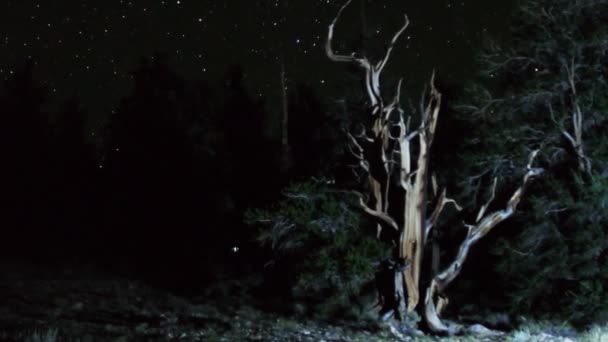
x,y
148,164
547,88
253,172
73,184
24,147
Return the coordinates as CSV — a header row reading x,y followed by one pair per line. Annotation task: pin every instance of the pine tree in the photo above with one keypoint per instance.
x,y
547,87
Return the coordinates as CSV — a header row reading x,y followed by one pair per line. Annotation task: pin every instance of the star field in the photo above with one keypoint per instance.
x,y
88,48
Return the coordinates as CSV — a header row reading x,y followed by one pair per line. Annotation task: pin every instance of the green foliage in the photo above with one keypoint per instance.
x,y
554,262
559,263
521,82
316,231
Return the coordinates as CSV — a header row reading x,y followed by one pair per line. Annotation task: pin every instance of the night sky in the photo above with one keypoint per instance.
x,y
88,48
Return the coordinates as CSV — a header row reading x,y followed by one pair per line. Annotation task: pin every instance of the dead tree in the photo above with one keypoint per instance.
x,y
384,151
576,139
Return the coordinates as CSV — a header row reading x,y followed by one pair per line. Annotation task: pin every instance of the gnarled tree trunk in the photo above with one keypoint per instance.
x,y
384,151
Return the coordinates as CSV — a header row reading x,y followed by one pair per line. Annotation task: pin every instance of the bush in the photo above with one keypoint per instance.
x,y
316,232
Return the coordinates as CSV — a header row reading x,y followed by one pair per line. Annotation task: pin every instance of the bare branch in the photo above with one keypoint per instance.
x,y
577,119
484,207
475,232
372,72
330,34
382,63
363,135
431,221
373,89
394,105
359,153
382,217
431,112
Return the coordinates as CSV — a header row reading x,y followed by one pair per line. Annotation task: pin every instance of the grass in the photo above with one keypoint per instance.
x,y
48,335
529,333
595,334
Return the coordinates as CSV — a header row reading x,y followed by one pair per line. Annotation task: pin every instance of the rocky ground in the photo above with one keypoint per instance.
x,y
68,305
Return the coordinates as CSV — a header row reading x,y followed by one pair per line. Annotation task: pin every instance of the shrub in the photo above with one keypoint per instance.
x,y
315,232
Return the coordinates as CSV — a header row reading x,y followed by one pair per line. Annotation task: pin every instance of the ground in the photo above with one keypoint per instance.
x,y
65,304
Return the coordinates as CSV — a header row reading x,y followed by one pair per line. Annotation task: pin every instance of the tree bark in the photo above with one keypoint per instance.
x,y
436,300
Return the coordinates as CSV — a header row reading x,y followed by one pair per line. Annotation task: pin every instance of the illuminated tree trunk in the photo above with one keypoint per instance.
x,y
384,152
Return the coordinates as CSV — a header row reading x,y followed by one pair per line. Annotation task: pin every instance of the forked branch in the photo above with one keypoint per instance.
x,y
374,152
435,296
372,72
431,221
575,139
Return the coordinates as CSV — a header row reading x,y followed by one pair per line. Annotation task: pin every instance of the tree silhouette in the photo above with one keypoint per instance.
x,y
252,154
72,178
312,139
148,165
24,137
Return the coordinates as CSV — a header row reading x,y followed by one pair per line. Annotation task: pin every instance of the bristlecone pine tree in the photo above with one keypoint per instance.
x,y
549,86
385,152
